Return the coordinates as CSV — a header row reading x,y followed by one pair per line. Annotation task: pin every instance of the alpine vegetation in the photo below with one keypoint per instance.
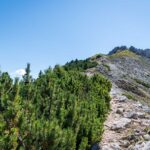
x,y
60,110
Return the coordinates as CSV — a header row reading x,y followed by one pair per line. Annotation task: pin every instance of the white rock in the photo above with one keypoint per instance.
x,y
122,98
142,146
134,115
147,146
115,146
138,146
140,115
106,147
112,146
139,105
147,137
120,124
125,143
146,109
131,114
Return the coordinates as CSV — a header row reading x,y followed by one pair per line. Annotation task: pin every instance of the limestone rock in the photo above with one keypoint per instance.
x,y
131,114
112,146
147,137
142,146
120,124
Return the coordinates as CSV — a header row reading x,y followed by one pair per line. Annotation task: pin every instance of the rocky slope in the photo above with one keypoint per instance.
x,y
128,124
129,71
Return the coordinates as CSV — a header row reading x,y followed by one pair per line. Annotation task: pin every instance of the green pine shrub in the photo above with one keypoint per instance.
x,y
62,109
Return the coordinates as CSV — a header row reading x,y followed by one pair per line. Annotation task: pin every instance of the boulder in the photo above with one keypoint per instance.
x,y
121,124
96,146
131,114
134,115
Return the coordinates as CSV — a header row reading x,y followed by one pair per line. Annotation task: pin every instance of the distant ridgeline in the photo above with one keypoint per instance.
x,y
143,52
60,110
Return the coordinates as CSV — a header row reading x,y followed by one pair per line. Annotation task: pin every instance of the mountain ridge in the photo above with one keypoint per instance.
x,y
142,52
66,107
127,125
128,70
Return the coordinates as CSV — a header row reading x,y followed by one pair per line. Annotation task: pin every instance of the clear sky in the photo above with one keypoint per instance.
x,y
49,32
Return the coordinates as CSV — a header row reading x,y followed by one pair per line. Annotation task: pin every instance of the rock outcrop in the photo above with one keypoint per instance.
x,y
129,71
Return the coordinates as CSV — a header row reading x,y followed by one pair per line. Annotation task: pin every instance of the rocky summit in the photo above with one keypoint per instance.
x,y
128,124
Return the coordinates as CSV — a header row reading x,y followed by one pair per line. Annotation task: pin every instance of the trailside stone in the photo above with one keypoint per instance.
x,y
121,98
125,143
120,124
147,137
147,146
115,146
96,146
120,111
112,146
146,109
142,146
140,115
131,114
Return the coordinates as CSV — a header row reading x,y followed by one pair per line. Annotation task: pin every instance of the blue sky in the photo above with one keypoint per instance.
x,y
49,32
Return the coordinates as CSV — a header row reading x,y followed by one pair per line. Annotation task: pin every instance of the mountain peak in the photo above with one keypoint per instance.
x,y
142,52
124,53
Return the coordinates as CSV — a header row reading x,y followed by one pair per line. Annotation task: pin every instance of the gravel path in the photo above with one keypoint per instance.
x,y
127,126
